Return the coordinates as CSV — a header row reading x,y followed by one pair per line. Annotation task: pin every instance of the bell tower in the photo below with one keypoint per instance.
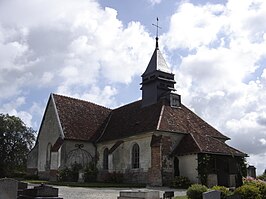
x,y
158,81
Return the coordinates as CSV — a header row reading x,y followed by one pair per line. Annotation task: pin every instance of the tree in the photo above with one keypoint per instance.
x,y
16,140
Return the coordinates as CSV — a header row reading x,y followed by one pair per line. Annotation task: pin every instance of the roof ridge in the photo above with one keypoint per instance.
x,y
191,134
105,126
126,105
160,117
81,100
57,115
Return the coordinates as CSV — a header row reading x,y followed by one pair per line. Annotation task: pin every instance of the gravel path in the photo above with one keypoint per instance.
x,y
103,193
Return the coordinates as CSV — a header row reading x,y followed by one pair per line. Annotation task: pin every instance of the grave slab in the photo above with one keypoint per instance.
x,y
8,188
139,195
212,195
40,192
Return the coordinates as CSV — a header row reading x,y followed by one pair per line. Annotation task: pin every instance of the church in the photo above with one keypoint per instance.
x,y
149,141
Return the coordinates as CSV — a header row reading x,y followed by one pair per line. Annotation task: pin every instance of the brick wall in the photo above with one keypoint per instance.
x,y
155,175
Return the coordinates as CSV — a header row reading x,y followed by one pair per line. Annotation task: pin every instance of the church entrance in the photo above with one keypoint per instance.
x,y
222,166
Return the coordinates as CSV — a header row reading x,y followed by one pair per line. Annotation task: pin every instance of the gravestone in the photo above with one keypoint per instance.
x,y
139,195
212,195
168,194
251,171
21,187
42,191
8,188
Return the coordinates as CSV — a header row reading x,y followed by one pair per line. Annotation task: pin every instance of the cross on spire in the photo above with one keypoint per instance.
x,y
157,27
157,30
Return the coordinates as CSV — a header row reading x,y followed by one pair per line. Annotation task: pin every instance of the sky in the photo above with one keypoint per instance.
x,y
97,51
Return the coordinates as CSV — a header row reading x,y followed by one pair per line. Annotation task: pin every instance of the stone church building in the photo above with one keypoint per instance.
x,y
150,141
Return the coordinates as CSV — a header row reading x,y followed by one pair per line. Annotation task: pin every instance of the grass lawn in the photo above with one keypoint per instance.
x,y
94,184
180,197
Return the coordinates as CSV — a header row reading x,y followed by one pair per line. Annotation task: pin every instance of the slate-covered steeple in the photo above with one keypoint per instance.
x,y
158,81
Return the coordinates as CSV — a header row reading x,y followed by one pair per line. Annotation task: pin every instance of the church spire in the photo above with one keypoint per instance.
x,y
157,80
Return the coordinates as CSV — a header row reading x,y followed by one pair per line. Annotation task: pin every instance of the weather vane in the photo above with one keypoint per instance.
x,y
157,27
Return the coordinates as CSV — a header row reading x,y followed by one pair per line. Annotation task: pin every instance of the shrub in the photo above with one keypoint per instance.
x,y
262,188
261,185
18,174
181,182
32,177
64,175
75,171
70,174
224,191
115,177
262,177
195,191
248,191
90,173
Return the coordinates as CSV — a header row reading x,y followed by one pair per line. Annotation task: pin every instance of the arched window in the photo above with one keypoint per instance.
x,y
135,156
105,159
176,166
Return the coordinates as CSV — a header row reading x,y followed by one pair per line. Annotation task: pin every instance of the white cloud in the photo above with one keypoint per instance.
x,y
220,76
263,141
153,2
60,47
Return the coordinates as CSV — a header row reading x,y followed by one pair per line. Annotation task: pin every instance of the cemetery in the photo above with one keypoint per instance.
x,y
251,188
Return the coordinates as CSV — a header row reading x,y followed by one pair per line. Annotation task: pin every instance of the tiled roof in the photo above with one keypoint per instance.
x,y
196,143
184,120
132,119
80,120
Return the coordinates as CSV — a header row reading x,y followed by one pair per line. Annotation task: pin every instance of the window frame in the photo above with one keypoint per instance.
x,y
135,156
105,159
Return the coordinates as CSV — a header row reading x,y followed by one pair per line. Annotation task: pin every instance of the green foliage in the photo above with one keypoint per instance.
x,y
31,177
16,140
262,189
181,182
204,167
195,191
224,191
262,177
64,175
70,174
115,177
248,191
90,173
242,162
261,185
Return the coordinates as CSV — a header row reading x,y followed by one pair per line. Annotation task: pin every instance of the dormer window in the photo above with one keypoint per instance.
x,y
175,100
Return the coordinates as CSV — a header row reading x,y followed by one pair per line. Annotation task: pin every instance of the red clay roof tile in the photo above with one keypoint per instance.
x,y
80,120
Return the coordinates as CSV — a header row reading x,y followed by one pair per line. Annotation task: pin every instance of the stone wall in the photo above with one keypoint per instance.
x,y
188,165
169,142
49,133
156,162
32,161
119,160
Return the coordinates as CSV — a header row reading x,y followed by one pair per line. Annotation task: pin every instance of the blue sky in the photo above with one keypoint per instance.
x,y
97,50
